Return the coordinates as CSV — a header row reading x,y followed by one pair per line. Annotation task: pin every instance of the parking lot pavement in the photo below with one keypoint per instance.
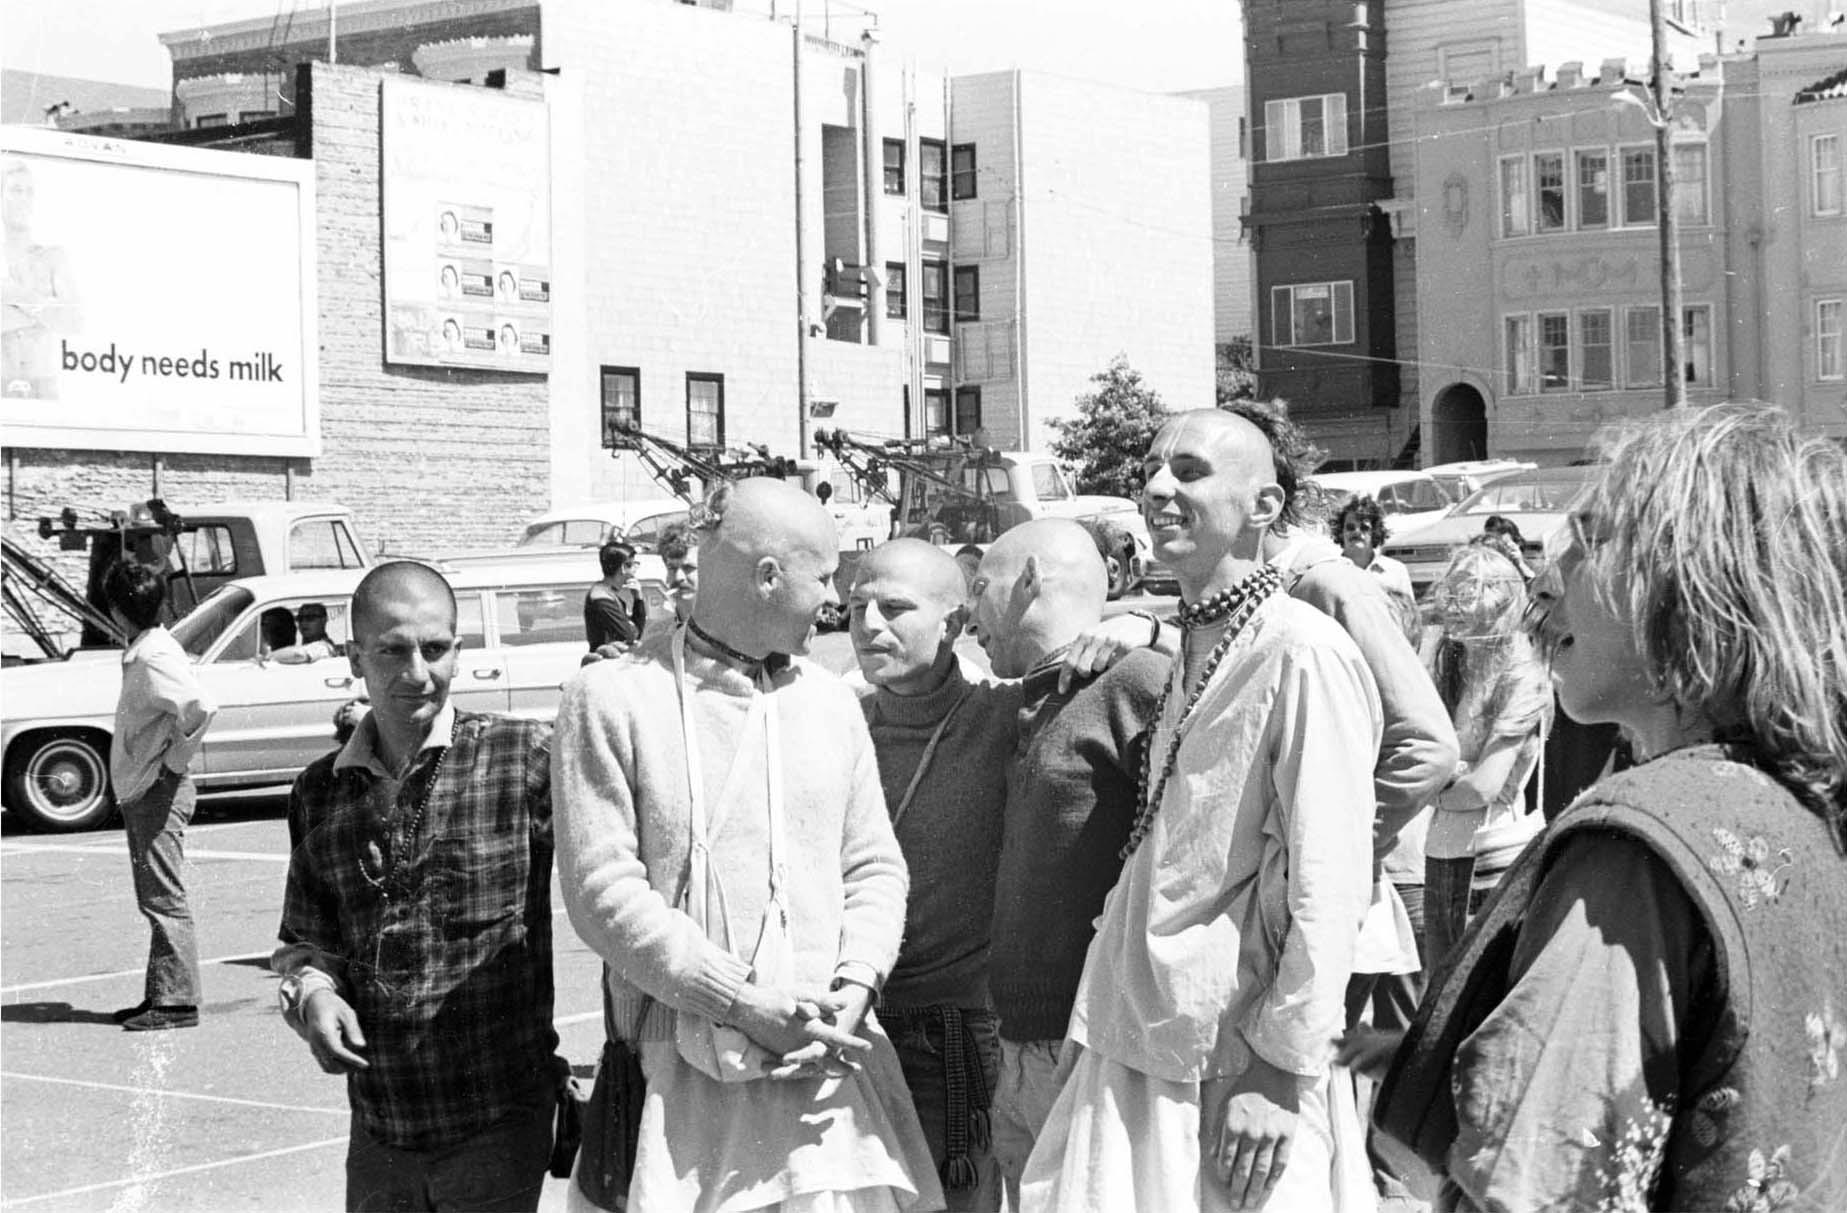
x,y
232,1114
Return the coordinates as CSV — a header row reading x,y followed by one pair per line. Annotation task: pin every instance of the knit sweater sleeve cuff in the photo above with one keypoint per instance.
x,y
715,986
859,973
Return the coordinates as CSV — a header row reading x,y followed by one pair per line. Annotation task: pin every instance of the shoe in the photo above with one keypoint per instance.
x,y
128,1013
159,1019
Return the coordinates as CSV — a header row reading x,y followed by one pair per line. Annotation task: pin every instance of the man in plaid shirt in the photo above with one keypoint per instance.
x,y
416,929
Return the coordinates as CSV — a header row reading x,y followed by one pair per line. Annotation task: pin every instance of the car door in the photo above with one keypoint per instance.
x,y
541,630
480,682
274,718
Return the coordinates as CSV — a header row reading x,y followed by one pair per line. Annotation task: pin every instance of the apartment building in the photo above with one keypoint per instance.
x,y
1538,310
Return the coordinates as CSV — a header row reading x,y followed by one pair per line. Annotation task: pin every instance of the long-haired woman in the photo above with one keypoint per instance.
x,y
1652,1011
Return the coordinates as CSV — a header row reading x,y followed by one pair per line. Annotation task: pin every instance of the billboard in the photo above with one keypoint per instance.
x,y
156,298
467,214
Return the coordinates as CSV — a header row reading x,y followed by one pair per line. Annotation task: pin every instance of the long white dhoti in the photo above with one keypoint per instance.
x,y
1120,1140
836,1145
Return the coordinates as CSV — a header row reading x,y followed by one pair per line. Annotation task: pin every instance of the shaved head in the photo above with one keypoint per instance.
x,y
766,566
1210,494
398,582
1039,586
927,570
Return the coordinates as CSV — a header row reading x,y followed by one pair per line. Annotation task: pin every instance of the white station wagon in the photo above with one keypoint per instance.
x,y
522,633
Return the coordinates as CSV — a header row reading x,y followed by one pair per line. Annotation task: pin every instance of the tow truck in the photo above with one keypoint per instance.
x,y
956,491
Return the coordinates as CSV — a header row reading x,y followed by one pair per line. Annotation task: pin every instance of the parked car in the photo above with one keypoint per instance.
x,y
586,526
1536,501
1460,479
522,632
1407,498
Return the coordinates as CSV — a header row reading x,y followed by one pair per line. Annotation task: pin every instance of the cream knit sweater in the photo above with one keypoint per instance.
x,y
619,791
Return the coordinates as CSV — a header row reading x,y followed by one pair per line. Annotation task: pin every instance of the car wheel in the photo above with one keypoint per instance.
x,y
1121,568
59,782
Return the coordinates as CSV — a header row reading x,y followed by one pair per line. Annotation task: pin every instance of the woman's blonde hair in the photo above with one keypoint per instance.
x,y
1721,535
1481,600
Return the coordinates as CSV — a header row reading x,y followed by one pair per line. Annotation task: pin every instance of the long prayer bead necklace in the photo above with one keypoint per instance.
x,y
1236,606
383,884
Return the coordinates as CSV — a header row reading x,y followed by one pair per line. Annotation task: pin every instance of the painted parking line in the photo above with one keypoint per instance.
x,y
162,1093
156,1176
66,848
136,972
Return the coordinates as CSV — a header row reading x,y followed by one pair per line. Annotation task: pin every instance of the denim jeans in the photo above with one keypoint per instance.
x,y
1449,903
1023,1099
501,1169
926,1054
156,828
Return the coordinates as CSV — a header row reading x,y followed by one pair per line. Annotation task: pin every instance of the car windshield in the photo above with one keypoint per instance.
x,y
206,622
1523,497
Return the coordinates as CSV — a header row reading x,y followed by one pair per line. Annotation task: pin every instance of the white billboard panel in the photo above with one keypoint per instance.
x,y
156,298
467,213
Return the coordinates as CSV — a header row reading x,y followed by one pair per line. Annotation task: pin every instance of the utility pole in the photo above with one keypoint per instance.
x,y
333,28
1673,307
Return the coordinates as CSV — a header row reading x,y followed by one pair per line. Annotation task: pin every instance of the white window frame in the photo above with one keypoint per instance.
x,y
1540,226
1539,349
1516,213
1632,377
1282,128
1684,193
1521,362
1622,184
1282,313
1687,350
1830,364
1578,187
1580,347
1825,182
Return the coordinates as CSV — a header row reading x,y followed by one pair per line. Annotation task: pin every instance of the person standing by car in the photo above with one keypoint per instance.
x,y
1360,528
613,612
160,720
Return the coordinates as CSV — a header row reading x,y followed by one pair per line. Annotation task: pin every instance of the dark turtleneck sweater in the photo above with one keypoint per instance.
x,y
950,833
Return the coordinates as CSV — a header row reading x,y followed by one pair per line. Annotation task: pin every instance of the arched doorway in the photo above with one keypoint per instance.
x,y
1459,425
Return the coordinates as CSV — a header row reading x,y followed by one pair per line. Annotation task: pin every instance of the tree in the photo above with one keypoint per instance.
x,y
1237,378
1115,425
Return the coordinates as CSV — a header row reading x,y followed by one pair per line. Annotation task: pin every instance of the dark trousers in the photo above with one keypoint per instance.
x,y
156,827
501,1169
1393,998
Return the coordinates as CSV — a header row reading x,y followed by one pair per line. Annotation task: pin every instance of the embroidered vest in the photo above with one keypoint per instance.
x,y
1762,1117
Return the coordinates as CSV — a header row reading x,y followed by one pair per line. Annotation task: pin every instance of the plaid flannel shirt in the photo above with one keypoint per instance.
x,y
449,969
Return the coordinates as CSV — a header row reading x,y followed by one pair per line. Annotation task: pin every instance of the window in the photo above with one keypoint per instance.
x,y
1513,197
894,167
968,292
1048,485
540,615
932,174
1828,340
1596,352
936,411
936,296
621,402
1594,189
1638,186
323,543
254,115
1696,343
705,410
1554,352
896,306
1312,313
962,183
1301,128
1690,205
207,549
204,120
1549,185
1520,378
968,409
1824,174
1642,346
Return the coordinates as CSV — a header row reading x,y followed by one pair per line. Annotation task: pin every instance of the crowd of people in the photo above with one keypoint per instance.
x,y
1249,908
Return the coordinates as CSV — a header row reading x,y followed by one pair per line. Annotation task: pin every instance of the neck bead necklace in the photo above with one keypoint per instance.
x,y
1235,606
384,882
